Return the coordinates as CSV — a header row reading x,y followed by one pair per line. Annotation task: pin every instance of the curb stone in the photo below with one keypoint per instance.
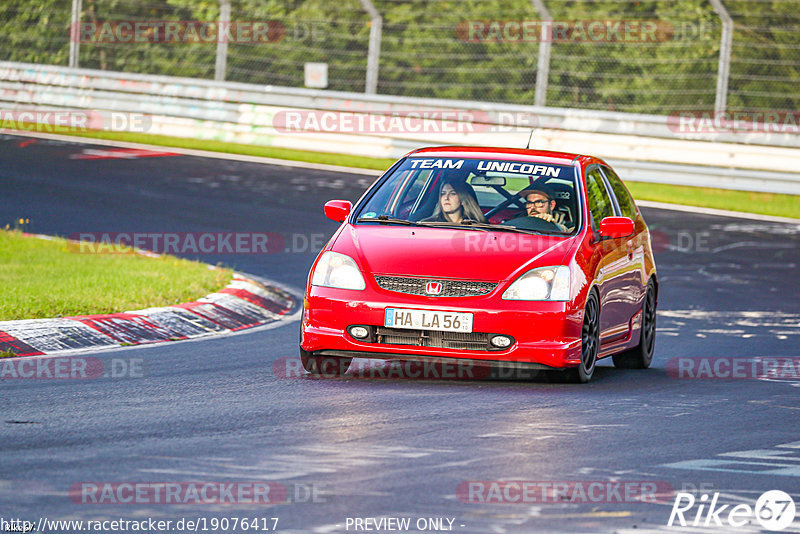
x,y
244,303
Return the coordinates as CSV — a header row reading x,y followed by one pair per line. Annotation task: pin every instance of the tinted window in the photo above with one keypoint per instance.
x,y
487,191
626,205
416,181
600,204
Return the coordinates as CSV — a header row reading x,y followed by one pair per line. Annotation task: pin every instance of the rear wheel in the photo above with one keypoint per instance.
x,y
326,366
590,342
641,357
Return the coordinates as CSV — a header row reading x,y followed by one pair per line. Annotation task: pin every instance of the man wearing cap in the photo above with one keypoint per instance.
x,y
539,203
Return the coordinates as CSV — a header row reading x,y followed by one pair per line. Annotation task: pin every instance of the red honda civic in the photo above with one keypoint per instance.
x,y
488,256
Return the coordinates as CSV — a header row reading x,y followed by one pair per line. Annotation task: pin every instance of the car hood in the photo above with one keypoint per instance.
x,y
448,253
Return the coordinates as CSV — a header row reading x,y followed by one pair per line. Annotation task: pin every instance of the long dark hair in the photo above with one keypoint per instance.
x,y
469,201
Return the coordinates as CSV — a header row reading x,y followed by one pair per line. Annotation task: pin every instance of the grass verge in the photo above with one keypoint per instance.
x,y
723,199
43,278
779,205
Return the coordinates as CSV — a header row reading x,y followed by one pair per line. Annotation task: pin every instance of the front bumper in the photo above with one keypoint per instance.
x,y
544,333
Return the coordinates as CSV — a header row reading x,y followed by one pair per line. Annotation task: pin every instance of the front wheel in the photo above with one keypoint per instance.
x,y
325,366
641,356
590,342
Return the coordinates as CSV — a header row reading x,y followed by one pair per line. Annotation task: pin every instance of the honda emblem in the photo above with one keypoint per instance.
x,y
433,288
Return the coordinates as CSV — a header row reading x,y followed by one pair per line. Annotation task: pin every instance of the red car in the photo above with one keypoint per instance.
x,y
493,256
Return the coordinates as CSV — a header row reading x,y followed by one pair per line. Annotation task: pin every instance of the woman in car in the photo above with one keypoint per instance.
x,y
457,202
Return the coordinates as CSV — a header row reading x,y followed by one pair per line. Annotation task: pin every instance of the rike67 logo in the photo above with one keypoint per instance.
x,y
774,511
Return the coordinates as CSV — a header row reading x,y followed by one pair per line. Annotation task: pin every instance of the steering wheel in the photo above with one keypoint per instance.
x,y
533,223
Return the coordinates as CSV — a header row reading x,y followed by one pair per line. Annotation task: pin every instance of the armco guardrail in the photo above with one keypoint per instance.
x,y
643,147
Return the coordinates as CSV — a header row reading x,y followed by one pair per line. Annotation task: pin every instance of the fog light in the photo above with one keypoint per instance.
x,y
359,332
501,341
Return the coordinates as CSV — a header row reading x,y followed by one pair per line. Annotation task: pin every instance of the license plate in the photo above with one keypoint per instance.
x,y
428,320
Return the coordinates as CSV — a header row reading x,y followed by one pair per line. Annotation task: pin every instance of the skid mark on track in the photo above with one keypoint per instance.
x,y
758,228
548,431
751,244
120,153
307,460
742,324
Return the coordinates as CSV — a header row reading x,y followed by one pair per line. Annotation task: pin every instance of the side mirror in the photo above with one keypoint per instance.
x,y
338,210
616,227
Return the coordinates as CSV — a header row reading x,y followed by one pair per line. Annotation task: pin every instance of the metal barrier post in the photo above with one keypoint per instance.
x,y
75,34
222,41
543,65
725,44
373,54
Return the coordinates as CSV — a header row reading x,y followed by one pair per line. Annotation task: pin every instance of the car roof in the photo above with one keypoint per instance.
x,y
520,154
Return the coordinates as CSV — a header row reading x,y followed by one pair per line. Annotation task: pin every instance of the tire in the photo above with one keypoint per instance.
x,y
590,343
641,356
325,366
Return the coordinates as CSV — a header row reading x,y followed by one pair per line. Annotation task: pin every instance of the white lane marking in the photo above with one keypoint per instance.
x,y
761,462
725,466
762,454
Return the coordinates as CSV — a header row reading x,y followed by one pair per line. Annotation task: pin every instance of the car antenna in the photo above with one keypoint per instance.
x,y
530,139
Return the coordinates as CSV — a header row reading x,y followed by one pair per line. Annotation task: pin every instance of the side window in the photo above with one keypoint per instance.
x,y
626,205
414,189
381,202
600,204
410,196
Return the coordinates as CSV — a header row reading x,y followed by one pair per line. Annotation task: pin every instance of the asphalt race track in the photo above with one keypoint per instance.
x,y
223,410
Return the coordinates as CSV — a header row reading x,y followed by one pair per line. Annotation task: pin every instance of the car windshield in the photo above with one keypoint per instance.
x,y
489,194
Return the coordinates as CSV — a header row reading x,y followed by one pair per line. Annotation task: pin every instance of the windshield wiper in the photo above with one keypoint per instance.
x,y
464,225
506,228
385,219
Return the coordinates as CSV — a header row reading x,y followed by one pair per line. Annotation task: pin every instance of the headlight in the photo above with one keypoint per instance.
x,y
544,283
337,270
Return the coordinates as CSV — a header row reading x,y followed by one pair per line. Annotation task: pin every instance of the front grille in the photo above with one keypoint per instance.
x,y
433,338
450,288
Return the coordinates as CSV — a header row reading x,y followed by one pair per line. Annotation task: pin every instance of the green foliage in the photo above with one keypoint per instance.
x,y
35,32
424,51
765,70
